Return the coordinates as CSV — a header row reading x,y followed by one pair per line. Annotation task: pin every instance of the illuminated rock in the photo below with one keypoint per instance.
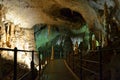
x,y
14,36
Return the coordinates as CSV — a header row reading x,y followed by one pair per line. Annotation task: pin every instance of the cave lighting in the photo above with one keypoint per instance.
x,y
27,61
16,19
17,40
20,43
37,67
46,62
13,18
43,65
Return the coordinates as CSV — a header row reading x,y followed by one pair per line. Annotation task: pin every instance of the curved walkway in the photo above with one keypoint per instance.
x,y
58,70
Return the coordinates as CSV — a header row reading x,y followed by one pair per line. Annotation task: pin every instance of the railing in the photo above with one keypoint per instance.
x,y
15,50
90,64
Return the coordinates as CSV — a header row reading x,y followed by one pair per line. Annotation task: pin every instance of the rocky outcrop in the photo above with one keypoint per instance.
x,y
14,36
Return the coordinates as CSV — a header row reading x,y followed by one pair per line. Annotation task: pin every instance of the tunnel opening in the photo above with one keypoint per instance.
x,y
71,15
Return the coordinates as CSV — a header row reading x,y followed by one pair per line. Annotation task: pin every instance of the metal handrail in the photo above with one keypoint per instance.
x,y
8,49
88,60
90,71
15,59
110,49
100,61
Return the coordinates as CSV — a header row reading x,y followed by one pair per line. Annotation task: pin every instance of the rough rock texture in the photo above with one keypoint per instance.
x,y
13,36
31,12
48,11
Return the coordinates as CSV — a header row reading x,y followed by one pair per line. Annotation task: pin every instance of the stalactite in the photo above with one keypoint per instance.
x,y
1,10
12,29
49,30
2,13
106,23
12,35
9,29
0,36
8,35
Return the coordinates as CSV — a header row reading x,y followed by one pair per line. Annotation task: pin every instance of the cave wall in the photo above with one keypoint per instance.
x,y
12,36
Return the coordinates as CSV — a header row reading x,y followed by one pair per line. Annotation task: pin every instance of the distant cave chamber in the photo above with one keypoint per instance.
x,y
67,14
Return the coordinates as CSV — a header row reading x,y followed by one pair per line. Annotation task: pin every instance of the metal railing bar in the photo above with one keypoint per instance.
x,y
91,61
27,51
110,49
90,71
83,65
15,64
100,65
105,49
24,75
7,49
94,51
15,50
97,62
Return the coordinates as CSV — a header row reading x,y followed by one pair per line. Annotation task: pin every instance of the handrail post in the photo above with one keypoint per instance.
x,y
69,59
39,65
100,64
15,64
73,61
32,65
81,74
66,56
0,67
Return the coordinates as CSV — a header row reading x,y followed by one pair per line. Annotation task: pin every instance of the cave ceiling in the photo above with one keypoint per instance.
x,y
72,14
58,12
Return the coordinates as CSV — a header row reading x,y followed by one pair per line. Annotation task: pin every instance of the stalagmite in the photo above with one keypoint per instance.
x,y
49,30
52,53
76,48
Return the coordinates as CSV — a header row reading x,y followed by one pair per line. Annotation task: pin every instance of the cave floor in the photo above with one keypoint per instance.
x,y
58,70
